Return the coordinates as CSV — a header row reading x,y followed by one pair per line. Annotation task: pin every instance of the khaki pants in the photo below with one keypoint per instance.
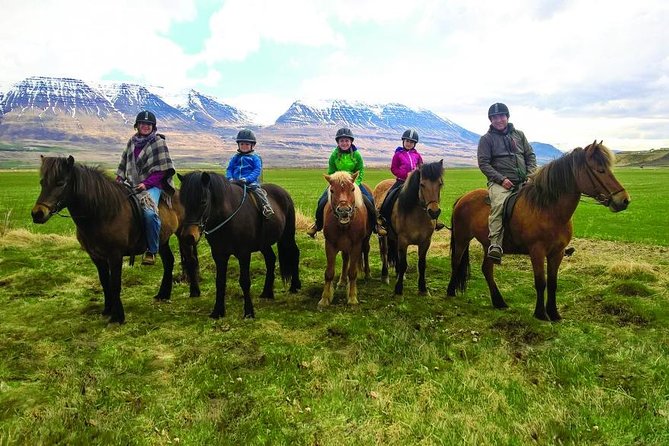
x,y
498,194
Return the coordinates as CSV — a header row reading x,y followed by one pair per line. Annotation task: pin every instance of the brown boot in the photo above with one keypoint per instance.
x,y
149,258
311,232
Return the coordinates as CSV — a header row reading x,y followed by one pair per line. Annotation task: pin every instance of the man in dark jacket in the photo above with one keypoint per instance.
x,y
506,159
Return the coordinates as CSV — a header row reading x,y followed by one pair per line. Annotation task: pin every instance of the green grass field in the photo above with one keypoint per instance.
x,y
393,370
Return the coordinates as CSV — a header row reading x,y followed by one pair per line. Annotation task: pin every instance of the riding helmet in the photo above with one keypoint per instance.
x,y
246,135
411,135
498,109
344,132
145,116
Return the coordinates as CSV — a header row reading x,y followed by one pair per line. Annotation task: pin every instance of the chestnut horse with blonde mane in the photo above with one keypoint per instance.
x,y
346,229
412,221
540,224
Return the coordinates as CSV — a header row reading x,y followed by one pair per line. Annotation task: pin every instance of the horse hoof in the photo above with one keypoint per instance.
x,y
269,296
555,317
216,315
541,316
116,320
323,303
385,280
249,316
425,293
161,299
195,293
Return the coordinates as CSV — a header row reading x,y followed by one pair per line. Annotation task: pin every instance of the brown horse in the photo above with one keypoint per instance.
x,y
412,221
345,229
106,229
541,222
233,225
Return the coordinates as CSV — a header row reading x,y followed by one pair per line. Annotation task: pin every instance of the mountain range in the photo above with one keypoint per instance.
x,y
93,121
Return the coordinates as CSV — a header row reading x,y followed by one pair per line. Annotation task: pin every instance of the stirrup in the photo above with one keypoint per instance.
x,y
381,230
267,211
311,232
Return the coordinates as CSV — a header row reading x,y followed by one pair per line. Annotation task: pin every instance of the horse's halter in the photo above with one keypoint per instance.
x,y
61,203
425,205
596,185
201,222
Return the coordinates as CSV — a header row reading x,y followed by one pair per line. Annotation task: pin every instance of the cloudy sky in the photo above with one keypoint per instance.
x,y
570,71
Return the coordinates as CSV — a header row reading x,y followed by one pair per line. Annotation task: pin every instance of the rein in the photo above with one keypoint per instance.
x,y
219,226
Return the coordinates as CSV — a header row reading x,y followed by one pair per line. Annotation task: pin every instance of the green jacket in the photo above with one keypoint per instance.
x,y
350,161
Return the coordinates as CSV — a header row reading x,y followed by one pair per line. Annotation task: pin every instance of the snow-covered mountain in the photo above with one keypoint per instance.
x,y
85,117
392,116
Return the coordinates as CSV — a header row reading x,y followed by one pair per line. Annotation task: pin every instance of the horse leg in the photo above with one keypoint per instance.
x,y
328,291
352,288
345,268
270,266
190,266
422,263
245,282
488,269
539,283
117,315
167,257
221,261
553,264
365,258
383,250
401,267
103,275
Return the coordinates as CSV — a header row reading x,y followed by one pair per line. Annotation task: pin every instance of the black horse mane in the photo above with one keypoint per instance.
x,y
408,196
557,177
96,192
191,186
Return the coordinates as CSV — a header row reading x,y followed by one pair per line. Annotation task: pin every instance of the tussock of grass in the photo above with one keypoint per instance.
x,y
633,270
22,238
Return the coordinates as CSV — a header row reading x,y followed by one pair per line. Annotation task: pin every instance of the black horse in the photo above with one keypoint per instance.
x,y
106,228
227,214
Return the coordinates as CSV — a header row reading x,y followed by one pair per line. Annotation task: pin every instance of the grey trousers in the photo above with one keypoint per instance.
x,y
498,194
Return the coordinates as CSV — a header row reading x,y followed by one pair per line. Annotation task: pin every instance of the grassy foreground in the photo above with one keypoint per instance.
x,y
394,370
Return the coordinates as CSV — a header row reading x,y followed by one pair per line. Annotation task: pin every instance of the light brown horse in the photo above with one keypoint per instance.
x,y
106,229
541,222
345,229
412,221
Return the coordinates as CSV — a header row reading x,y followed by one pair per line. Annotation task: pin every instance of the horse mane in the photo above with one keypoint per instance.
x,y
557,177
408,196
342,175
95,190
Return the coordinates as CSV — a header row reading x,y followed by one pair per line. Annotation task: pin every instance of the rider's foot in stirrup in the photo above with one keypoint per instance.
x,y
495,253
311,232
438,226
267,212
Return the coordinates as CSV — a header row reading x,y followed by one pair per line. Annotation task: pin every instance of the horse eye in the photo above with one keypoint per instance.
x,y
60,183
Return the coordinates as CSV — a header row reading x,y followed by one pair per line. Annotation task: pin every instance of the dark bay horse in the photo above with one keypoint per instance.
x,y
541,222
106,228
228,216
412,221
345,228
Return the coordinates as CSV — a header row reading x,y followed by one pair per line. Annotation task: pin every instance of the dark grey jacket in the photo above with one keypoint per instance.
x,y
506,155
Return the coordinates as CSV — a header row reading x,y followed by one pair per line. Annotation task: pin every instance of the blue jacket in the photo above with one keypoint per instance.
x,y
244,166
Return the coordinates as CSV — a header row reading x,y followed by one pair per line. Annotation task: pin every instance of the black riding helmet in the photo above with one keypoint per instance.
x,y
246,135
411,135
146,117
344,132
498,109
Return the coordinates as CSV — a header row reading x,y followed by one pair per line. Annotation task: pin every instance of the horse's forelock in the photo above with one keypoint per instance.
x,y
432,171
602,155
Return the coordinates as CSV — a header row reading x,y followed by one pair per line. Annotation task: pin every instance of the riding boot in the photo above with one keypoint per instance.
x,y
318,224
371,213
381,226
267,210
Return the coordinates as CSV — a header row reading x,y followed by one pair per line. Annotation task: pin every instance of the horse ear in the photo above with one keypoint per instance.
x,y
327,177
70,161
181,178
205,178
354,176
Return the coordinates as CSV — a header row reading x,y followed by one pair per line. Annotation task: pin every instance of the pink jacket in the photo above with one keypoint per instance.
x,y
405,161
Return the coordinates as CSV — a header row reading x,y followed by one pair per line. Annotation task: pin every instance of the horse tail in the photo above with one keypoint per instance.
x,y
289,253
392,251
460,269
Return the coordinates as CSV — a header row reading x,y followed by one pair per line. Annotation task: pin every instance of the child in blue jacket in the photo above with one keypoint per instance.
x,y
246,167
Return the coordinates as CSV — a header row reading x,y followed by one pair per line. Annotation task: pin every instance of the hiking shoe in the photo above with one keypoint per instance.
x,y
267,212
438,226
495,253
311,232
149,258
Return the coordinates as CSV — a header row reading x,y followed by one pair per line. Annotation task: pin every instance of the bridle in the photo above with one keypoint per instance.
x,y
201,223
603,198
342,214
